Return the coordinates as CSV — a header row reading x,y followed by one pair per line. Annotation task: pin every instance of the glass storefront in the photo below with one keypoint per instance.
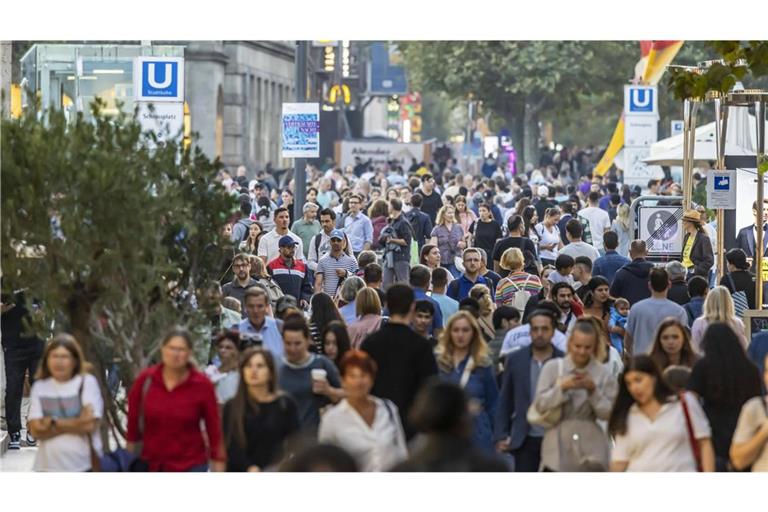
x,y
70,77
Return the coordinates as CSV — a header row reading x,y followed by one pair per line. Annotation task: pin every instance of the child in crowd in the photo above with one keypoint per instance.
x,y
676,377
563,269
618,322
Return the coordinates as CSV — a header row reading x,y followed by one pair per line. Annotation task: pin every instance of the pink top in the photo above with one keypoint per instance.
x,y
700,325
362,327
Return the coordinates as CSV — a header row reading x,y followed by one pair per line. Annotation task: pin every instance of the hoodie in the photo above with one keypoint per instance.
x,y
631,281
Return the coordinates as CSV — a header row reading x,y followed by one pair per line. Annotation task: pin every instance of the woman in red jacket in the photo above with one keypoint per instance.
x,y
165,406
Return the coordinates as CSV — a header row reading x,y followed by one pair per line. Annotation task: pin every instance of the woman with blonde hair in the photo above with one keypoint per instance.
x,y
368,312
572,394
66,407
622,226
448,236
482,295
463,358
718,307
517,282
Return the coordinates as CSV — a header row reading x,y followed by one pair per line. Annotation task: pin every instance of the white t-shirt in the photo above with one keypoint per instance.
x,y
599,221
520,337
268,245
576,249
662,444
752,416
51,398
547,237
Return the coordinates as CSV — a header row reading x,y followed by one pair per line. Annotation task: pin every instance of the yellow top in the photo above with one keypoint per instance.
x,y
687,263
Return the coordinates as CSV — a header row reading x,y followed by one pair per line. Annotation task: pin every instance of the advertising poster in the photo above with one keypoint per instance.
x,y
301,130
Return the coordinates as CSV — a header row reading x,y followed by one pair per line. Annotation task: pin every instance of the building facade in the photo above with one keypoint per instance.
x,y
234,90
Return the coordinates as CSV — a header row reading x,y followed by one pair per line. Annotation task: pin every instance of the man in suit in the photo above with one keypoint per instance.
x,y
747,236
521,373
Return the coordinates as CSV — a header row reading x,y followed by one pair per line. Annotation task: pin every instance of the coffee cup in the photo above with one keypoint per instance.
x,y
319,374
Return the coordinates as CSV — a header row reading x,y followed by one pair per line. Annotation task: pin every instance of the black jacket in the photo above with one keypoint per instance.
x,y
631,281
444,453
678,292
743,281
421,224
405,361
701,254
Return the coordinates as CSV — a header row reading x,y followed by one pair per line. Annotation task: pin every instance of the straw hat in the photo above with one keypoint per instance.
x,y
692,216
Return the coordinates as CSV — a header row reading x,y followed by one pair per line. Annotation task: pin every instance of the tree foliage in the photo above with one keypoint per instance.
x,y
520,81
110,229
741,60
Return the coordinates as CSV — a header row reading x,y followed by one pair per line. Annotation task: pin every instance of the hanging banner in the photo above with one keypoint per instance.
x,y
301,130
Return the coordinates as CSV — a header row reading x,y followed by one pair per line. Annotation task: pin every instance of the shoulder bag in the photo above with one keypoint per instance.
x,y
121,460
740,303
691,436
552,417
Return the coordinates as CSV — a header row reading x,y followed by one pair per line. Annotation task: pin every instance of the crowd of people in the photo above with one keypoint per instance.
x,y
426,319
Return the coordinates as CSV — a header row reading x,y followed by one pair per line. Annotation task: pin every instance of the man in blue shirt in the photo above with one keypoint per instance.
x,y
459,288
448,306
258,324
419,280
358,226
607,265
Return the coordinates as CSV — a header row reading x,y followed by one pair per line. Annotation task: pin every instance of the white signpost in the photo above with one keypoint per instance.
x,y
159,81
721,189
641,129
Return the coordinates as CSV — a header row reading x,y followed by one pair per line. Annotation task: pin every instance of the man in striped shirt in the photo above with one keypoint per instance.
x,y
335,267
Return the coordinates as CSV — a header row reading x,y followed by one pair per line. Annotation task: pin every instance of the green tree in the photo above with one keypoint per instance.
x,y
111,230
520,81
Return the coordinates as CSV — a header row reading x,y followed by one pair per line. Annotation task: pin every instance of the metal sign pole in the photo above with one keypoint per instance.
x,y
300,164
690,109
721,128
760,158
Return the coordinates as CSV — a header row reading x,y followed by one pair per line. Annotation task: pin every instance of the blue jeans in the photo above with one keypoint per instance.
x,y
201,468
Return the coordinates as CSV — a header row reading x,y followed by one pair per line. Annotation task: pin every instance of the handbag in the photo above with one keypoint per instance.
x,y
95,460
122,460
740,303
550,418
691,437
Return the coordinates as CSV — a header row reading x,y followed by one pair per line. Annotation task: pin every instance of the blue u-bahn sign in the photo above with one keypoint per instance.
x,y
159,79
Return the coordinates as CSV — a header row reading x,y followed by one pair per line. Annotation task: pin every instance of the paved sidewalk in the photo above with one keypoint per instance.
x,y
18,460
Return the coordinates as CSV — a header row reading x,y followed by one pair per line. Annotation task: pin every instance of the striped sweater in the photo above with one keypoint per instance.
x,y
517,281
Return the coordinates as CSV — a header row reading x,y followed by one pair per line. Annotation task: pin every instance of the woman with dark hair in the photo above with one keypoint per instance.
x,y
430,257
698,257
739,278
367,427
336,341
322,312
597,300
175,442
581,389
259,419
225,376
649,424
724,379
672,345
251,244
66,407
379,215
530,218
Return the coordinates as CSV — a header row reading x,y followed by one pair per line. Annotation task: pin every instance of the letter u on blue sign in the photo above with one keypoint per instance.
x,y
641,100
159,79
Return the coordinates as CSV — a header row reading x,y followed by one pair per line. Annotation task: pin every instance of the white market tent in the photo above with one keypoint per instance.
x,y
740,141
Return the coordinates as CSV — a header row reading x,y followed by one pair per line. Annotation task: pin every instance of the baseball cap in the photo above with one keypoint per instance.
x,y
286,241
285,302
543,191
337,233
